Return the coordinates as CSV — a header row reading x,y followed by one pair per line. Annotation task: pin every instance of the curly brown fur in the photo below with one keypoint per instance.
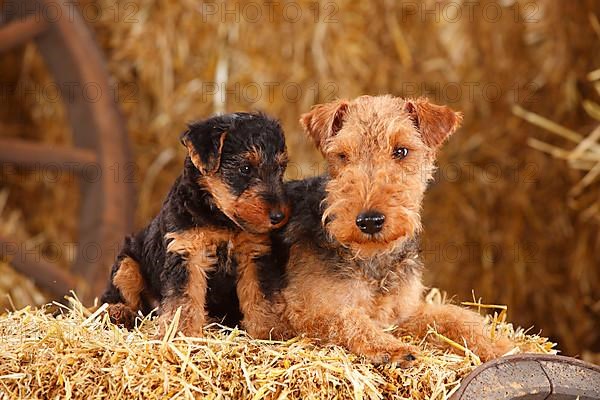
x,y
353,267
186,257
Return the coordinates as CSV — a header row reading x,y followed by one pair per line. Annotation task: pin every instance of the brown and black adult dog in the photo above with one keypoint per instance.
x,y
216,216
348,260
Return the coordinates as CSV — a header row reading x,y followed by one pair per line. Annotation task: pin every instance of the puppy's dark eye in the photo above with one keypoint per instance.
x,y
343,157
400,153
245,170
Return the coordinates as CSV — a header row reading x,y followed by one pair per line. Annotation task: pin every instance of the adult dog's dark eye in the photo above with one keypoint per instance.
x,y
245,170
400,153
343,157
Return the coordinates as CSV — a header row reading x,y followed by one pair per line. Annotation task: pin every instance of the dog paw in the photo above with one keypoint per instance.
x,y
495,349
193,332
121,314
187,328
188,332
404,356
268,331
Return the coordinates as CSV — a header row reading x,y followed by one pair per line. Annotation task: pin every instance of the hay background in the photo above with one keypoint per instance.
x,y
517,238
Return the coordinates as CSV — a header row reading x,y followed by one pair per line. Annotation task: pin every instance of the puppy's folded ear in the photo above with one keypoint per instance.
x,y
324,121
435,123
204,142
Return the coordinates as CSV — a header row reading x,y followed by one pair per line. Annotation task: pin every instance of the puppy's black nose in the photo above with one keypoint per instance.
x,y
276,216
370,221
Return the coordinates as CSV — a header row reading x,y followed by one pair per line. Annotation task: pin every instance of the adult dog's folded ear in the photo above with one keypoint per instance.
x,y
204,142
435,123
324,121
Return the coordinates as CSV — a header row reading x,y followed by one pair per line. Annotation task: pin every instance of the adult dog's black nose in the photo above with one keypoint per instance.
x,y
276,216
370,221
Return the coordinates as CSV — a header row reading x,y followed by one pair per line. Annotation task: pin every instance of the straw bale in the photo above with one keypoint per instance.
x,y
80,354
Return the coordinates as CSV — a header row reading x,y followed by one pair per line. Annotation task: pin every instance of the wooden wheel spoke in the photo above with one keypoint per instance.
x,y
20,31
43,155
44,274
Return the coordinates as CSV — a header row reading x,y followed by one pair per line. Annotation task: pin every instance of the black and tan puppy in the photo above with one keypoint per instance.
x,y
216,216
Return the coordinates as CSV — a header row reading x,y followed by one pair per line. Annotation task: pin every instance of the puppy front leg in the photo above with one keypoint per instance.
x,y
185,284
460,325
353,329
123,294
262,311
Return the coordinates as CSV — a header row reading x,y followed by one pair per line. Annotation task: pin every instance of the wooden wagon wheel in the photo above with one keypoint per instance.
x,y
531,377
71,55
